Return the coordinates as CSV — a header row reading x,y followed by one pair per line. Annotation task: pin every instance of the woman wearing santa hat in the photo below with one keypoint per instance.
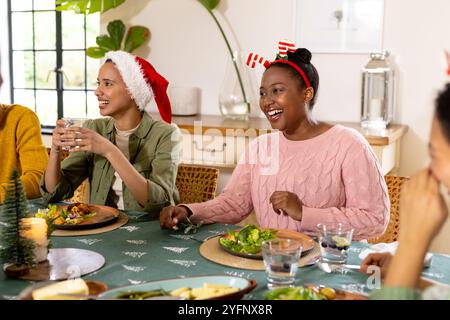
x,y
129,158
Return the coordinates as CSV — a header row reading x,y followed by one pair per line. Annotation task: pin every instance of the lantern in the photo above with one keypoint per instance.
x,y
377,103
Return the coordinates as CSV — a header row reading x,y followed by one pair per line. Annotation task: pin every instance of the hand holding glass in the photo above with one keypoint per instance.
x,y
74,123
281,257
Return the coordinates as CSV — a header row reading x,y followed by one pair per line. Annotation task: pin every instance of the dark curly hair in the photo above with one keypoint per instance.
x,y
443,110
302,58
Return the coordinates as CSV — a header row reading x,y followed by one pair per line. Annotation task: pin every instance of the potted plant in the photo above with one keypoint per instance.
x,y
135,36
87,6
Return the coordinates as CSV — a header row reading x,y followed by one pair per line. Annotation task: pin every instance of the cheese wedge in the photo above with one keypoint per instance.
x,y
178,292
57,290
216,286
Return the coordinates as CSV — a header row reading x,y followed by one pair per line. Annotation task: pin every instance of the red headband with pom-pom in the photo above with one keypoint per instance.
x,y
284,46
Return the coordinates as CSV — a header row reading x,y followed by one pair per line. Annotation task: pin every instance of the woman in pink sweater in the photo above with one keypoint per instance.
x,y
306,173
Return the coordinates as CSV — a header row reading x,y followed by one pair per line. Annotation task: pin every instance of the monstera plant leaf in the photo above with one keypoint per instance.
x,y
136,36
87,6
95,52
116,30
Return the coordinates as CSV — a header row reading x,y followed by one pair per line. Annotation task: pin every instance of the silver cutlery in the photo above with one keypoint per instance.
x,y
205,239
328,268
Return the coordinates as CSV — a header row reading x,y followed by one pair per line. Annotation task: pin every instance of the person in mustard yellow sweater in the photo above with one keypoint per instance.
x,y
22,148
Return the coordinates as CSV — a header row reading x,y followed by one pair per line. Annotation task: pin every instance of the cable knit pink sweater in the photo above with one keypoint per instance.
x,y
335,175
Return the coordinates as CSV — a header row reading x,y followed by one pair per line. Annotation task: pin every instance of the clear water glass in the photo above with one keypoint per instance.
x,y
335,240
74,123
281,258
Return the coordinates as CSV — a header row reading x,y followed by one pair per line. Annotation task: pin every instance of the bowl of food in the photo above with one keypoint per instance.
x,y
312,292
189,288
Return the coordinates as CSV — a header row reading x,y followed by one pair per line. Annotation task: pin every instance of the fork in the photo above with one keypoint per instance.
x,y
331,268
206,239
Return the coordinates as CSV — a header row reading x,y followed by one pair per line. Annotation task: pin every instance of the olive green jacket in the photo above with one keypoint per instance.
x,y
154,154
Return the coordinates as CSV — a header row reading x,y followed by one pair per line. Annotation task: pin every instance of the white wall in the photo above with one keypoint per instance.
x,y
187,48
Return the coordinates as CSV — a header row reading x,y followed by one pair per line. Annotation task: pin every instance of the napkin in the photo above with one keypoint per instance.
x,y
391,248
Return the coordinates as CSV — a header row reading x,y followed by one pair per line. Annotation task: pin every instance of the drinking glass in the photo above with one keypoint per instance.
x,y
74,123
334,240
281,257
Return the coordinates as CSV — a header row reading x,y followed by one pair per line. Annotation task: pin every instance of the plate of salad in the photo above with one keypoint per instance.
x,y
78,216
247,241
312,292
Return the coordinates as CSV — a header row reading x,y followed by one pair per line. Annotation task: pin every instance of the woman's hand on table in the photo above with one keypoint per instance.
x,y
381,260
170,216
284,202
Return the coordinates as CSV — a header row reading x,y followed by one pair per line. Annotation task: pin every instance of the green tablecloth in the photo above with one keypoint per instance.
x,y
140,251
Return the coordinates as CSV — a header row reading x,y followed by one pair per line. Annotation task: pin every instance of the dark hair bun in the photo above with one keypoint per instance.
x,y
301,54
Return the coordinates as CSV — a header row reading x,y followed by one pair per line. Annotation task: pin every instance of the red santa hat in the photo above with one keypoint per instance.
x,y
147,87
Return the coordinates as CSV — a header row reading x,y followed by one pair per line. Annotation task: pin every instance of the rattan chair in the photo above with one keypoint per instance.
x,y
196,184
394,184
81,194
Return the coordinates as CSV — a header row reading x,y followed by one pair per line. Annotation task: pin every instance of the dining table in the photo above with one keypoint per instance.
x,y
140,251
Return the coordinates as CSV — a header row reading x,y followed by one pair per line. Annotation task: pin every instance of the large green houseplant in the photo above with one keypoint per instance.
x,y
136,36
87,6
116,38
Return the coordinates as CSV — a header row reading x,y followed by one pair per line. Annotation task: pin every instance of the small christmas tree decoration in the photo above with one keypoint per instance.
x,y
16,252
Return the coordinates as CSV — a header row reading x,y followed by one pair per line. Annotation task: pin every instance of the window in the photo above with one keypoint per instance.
x,y
49,70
